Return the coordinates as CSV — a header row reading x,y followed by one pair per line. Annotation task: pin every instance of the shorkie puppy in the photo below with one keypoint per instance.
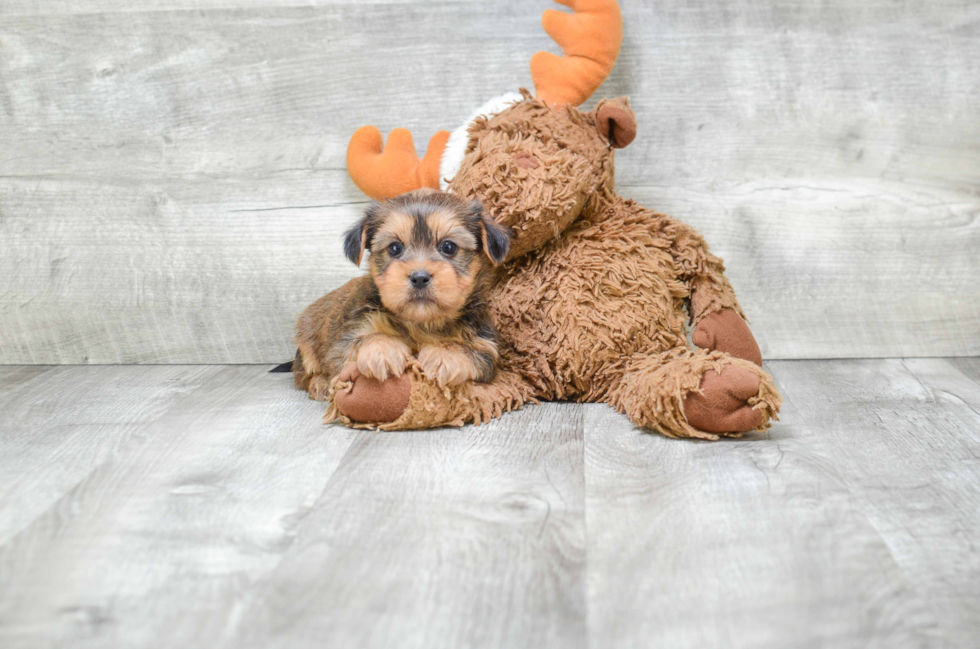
x,y
430,256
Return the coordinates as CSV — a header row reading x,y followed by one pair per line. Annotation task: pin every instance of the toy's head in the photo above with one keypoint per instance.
x,y
537,164
538,168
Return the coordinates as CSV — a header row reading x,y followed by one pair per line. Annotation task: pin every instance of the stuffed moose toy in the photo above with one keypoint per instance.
x,y
594,299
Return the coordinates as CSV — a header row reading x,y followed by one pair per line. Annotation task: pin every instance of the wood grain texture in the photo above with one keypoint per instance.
x,y
58,427
906,442
470,538
172,181
751,543
13,376
236,519
158,545
968,366
73,7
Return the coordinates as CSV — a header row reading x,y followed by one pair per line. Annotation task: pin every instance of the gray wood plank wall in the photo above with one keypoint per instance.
x,y
172,182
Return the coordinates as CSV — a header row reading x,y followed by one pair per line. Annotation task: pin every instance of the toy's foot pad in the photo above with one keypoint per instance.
x,y
725,331
723,405
369,401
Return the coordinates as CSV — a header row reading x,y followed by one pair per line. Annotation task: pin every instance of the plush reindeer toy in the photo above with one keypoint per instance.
x,y
595,297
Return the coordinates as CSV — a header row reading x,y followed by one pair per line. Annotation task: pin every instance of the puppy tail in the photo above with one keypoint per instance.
x,y
287,366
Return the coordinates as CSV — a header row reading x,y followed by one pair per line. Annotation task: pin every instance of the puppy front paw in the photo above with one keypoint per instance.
x,y
447,365
382,356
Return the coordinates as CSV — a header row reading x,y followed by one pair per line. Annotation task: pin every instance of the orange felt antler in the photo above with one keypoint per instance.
x,y
387,170
590,39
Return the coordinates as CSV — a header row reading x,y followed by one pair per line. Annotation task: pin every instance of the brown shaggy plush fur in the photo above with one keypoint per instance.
x,y
595,298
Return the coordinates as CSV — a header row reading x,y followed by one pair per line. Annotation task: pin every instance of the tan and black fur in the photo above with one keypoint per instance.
x,y
431,253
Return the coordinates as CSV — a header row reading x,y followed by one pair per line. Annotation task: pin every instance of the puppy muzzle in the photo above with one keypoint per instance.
x,y
420,280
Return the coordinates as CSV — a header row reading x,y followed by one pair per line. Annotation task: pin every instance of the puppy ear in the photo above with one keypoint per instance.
x,y
354,241
496,239
358,238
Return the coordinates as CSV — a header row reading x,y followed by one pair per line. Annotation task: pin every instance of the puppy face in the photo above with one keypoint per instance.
x,y
429,252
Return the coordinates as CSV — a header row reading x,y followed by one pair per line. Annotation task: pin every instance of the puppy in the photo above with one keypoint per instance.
x,y
431,253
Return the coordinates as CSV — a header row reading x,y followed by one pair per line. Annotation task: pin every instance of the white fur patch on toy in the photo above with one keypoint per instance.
x,y
455,151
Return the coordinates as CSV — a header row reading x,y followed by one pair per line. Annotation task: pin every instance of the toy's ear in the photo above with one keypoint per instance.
x,y
616,121
494,237
358,238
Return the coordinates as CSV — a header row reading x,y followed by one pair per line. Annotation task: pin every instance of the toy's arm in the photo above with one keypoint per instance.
x,y
705,273
718,320
412,401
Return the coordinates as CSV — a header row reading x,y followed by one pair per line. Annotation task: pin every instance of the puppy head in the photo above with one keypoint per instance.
x,y
429,252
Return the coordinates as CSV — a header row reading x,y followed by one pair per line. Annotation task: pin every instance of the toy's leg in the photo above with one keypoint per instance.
x,y
412,401
685,393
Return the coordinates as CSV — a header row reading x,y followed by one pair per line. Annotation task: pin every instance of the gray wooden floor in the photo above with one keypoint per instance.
x,y
207,506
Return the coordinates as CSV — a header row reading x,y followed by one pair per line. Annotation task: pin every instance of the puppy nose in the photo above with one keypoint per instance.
x,y
420,278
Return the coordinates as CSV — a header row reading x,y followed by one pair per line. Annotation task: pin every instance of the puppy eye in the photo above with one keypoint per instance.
x,y
395,248
448,248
